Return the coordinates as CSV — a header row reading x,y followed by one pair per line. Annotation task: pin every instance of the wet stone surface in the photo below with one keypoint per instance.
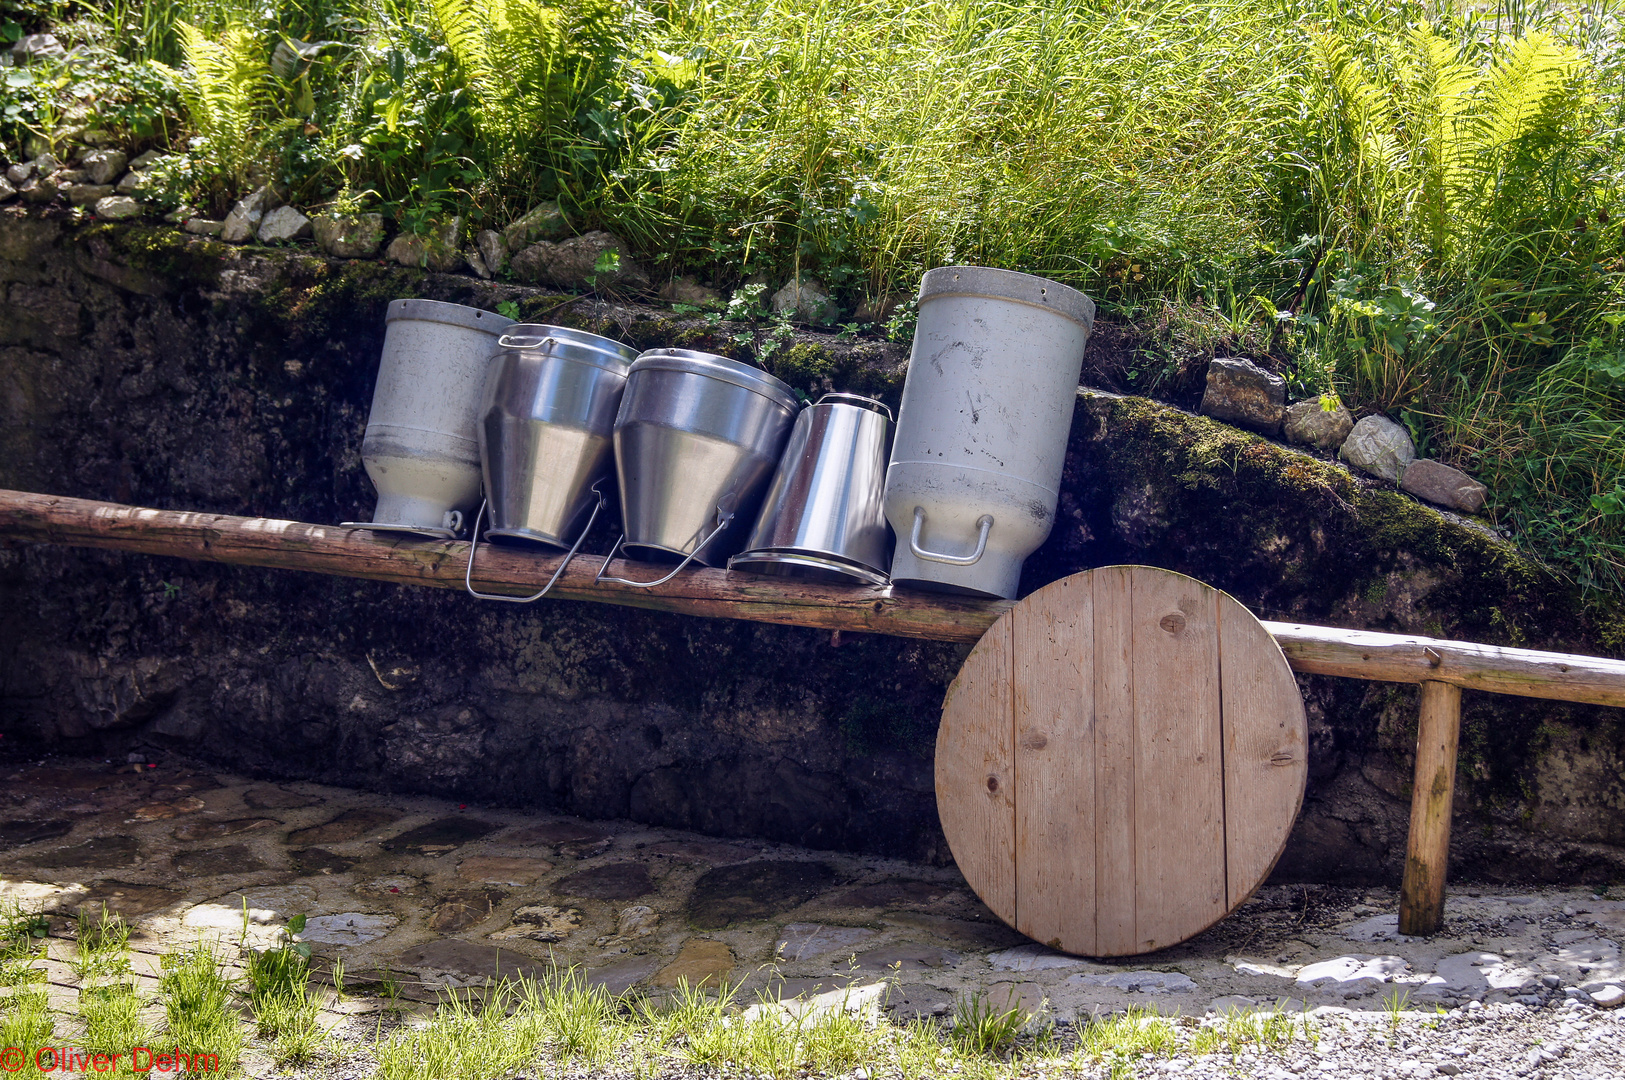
x,y
655,909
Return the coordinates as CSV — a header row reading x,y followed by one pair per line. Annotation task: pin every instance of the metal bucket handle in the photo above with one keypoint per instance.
x,y
859,401
984,523
506,342
725,515
468,575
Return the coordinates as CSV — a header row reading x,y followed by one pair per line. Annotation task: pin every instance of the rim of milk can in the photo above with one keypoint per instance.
x,y
589,348
1009,285
720,368
450,314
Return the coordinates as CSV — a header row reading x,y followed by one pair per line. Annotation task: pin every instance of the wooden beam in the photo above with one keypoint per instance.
x,y
1427,851
328,549
1362,654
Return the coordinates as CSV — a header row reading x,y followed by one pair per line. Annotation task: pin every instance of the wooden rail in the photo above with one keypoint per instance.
x,y
1442,668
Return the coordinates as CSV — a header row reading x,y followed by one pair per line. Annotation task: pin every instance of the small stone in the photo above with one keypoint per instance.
x,y
20,172
443,245
40,189
476,263
147,159
1143,982
1380,447
686,290
99,137
282,225
1310,422
1608,997
1447,1068
1240,392
89,194
1439,483
574,263
544,222
246,216
105,166
131,183
31,47
699,963
541,922
806,300
45,163
181,214
7,192
349,928
1551,981
349,236
639,920
408,250
880,309
1574,993
493,250
66,177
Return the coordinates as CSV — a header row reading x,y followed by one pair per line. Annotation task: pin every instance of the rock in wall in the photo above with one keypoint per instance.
x,y
140,367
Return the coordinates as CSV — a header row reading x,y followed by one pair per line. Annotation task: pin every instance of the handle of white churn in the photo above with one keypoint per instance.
x,y
468,575
725,514
985,523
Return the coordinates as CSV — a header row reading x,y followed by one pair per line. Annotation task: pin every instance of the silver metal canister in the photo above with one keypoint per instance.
x,y
824,517
547,421
696,442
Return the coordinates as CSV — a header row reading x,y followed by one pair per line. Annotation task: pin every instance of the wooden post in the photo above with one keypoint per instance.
x,y
1427,854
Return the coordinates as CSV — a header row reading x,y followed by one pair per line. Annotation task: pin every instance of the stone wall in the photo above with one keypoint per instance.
x,y
143,368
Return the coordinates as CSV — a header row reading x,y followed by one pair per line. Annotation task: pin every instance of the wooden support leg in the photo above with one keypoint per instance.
x,y
1427,854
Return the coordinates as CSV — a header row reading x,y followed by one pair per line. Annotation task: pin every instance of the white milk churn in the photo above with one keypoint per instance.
x,y
422,446
981,435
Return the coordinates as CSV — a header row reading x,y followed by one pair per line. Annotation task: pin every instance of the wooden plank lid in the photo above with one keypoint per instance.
x,y
1121,760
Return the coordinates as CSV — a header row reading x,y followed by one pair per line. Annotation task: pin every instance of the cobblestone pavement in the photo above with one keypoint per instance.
x,y
436,895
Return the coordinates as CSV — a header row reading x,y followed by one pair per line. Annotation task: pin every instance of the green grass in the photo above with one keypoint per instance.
x,y
197,997
1417,205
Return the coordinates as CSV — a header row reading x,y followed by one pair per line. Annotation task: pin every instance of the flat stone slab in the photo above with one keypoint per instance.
x,y
18,833
700,962
469,959
216,862
889,894
973,932
1138,982
275,798
701,851
464,908
349,825
621,976
1035,958
753,891
213,830
541,922
802,941
502,869
320,861
97,853
441,836
909,957
347,928
130,900
613,881
571,839
915,1001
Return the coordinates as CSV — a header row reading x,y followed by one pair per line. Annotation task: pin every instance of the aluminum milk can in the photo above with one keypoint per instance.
x,y
981,433
421,448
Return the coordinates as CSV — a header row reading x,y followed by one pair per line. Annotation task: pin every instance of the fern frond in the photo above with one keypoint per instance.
x,y
1524,84
225,90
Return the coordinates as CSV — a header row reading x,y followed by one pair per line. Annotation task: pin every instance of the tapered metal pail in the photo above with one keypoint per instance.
x,y
823,518
421,448
547,427
696,442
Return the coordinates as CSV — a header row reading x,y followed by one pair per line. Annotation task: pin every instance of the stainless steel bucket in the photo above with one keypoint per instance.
x,y
696,442
824,517
547,424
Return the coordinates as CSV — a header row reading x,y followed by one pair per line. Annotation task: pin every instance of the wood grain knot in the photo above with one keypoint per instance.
x,y
1282,758
1034,740
992,784
1173,622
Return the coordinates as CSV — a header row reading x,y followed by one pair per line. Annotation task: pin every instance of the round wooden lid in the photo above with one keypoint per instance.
x,y
1121,760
